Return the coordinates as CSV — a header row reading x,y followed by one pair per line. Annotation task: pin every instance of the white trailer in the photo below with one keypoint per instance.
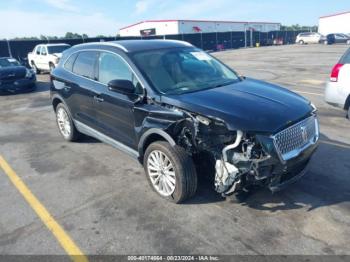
x,y
336,23
172,27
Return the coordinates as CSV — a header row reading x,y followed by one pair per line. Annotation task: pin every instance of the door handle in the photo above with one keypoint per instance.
x,y
98,99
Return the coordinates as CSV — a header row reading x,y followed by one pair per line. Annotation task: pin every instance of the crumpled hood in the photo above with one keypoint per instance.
x,y
248,105
59,55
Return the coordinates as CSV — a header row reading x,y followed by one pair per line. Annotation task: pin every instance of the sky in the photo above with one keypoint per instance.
x,y
56,17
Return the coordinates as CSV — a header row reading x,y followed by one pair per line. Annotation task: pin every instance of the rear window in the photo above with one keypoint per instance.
x,y
70,61
85,64
346,58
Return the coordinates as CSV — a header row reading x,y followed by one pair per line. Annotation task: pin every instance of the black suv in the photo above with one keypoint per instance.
x,y
181,112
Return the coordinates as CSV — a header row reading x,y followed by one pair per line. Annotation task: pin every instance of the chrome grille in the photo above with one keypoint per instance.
x,y
293,140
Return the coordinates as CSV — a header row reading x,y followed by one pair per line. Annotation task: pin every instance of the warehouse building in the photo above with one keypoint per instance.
x,y
173,27
336,23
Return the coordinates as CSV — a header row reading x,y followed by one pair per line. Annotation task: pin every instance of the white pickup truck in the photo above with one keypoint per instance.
x,y
46,57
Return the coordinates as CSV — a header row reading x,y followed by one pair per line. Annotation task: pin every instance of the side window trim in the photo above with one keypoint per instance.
x,y
99,51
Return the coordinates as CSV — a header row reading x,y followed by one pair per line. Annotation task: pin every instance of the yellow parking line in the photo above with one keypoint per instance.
x,y
62,237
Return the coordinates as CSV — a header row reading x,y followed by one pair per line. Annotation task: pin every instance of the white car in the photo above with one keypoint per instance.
x,y
46,57
338,87
309,38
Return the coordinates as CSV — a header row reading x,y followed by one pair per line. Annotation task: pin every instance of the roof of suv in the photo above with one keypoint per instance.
x,y
58,44
131,46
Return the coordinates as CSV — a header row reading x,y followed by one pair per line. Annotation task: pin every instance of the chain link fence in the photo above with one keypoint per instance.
x,y
207,41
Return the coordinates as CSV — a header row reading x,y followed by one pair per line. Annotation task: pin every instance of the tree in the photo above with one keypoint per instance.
x,y
298,27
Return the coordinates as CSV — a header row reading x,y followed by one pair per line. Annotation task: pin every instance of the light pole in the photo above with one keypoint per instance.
x,y
9,47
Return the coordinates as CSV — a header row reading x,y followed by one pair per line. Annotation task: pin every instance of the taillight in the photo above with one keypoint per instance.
x,y
335,72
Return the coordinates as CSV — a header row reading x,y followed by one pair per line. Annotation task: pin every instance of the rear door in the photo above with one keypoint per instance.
x,y
37,57
80,87
314,38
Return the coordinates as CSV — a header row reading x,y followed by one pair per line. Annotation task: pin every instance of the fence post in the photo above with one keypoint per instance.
x,y
245,36
201,40
9,47
251,37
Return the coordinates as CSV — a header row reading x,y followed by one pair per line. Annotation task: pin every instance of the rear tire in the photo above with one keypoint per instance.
x,y
170,171
348,116
301,42
65,124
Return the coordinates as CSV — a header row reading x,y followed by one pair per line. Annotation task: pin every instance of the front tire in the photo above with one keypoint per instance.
x,y
36,70
170,171
65,123
52,67
301,42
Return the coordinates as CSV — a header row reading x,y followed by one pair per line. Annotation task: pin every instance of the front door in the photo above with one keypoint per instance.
x,y
115,111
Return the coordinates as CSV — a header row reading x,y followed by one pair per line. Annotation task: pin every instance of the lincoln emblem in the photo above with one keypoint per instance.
x,y
304,133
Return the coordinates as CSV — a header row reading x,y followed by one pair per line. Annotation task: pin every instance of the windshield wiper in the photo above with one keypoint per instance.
x,y
225,83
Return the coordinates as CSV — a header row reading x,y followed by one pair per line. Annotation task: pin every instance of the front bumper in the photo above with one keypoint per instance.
x,y
334,94
15,85
292,171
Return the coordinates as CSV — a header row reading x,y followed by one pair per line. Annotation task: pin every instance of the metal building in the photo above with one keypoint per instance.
x,y
172,27
335,23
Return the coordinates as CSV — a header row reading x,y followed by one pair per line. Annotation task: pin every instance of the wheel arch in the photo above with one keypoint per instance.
x,y
153,135
57,99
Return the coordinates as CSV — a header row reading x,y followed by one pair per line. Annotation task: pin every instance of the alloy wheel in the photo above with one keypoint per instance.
x,y
161,172
63,121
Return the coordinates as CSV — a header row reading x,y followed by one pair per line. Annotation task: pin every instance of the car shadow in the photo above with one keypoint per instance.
x,y
325,184
40,87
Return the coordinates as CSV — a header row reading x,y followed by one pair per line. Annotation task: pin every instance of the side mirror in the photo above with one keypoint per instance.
x,y
125,87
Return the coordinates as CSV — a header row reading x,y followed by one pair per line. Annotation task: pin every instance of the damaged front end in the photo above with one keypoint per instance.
x,y
239,160
244,160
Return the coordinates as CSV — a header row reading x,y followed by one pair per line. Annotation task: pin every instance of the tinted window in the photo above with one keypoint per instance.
x,y
57,49
113,67
85,64
70,61
43,50
8,62
38,50
346,58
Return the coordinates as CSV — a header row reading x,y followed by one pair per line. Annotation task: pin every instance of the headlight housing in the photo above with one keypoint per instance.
x,y
56,60
29,73
314,108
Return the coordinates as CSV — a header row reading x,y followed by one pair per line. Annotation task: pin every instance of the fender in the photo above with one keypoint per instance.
x,y
153,131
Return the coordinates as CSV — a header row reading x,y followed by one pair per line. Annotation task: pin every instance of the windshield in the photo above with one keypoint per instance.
x,y
57,49
7,62
182,70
